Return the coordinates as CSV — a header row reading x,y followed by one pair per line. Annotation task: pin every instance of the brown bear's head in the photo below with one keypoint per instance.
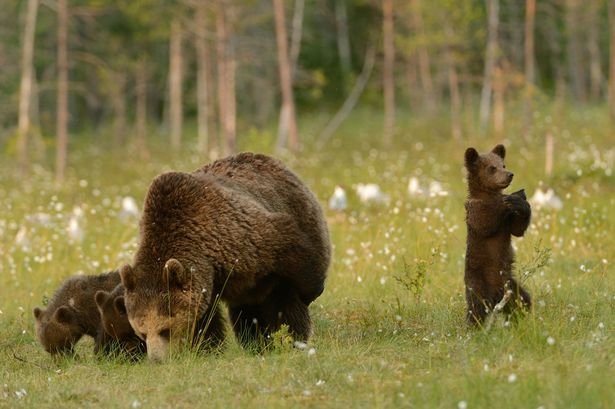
x,y
487,172
58,331
164,307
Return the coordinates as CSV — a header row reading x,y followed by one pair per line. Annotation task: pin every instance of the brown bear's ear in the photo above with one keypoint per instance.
x,y
499,150
101,298
174,274
119,305
64,315
470,157
37,313
128,278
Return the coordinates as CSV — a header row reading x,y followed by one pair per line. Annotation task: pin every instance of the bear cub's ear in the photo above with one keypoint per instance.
x,y
101,297
119,304
37,313
499,150
64,315
127,276
471,157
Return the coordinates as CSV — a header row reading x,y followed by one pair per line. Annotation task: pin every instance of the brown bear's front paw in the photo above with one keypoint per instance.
x,y
517,203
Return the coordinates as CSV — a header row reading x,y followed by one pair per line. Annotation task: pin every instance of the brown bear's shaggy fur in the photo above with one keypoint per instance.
x,y
72,313
115,323
244,229
492,217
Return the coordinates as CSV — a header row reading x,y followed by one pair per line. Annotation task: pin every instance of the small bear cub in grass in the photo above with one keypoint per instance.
x,y
72,313
115,323
491,218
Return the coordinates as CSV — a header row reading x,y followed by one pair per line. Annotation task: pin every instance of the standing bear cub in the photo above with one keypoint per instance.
x,y
491,218
244,230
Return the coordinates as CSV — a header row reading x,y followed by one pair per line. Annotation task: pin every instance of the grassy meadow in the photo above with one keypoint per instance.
x,y
389,329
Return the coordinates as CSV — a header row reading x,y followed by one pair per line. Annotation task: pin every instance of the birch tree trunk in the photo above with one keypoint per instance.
x,y
62,97
141,109
423,58
388,70
453,84
493,7
25,87
201,76
118,99
343,41
498,102
574,51
175,83
593,47
612,59
530,13
288,104
221,39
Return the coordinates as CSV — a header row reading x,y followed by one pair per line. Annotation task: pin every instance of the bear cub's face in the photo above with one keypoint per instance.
x,y
488,171
115,320
58,331
166,315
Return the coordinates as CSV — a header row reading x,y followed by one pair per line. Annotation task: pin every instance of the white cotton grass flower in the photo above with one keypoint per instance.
x,y
311,352
550,340
462,404
371,193
546,199
129,209
338,201
512,378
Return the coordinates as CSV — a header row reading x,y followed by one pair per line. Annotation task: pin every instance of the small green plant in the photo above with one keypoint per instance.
x,y
281,340
414,276
539,259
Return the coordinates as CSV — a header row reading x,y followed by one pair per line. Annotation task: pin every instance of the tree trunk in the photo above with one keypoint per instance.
x,y
288,104
498,102
62,101
343,41
175,84
612,59
25,88
141,109
201,76
593,47
388,77
453,84
295,37
221,40
490,57
118,99
530,13
575,57
423,58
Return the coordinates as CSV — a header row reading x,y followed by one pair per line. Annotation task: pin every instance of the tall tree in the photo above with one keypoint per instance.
x,y
493,7
574,52
25,89
530,14
62,98
175,83
593,47
423,56
612,59
288,104
343,39
226,66
202,60
141,81
388,75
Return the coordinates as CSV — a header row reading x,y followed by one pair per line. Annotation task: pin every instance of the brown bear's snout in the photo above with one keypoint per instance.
x,y
510,176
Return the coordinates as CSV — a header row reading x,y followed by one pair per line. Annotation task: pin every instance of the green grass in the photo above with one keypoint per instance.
x,y
389,329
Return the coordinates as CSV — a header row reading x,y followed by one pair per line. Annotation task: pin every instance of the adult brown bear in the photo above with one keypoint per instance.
x,y
244,229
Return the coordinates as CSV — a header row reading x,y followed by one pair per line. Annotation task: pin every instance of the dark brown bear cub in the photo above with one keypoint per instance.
x,y
115,323
491,218
72,313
